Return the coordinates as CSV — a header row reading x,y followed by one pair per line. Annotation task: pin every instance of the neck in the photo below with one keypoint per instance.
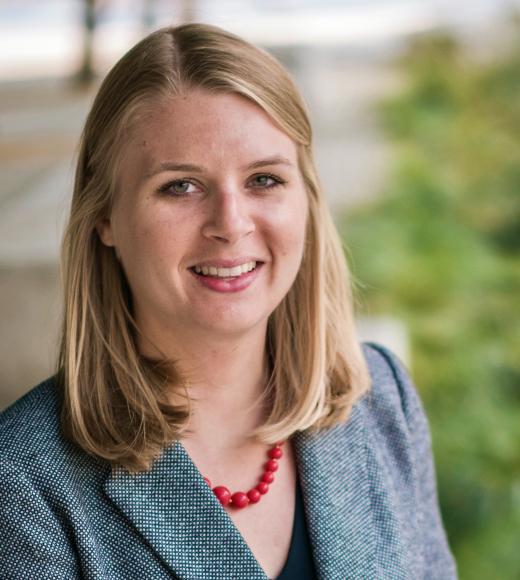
x,y
226,378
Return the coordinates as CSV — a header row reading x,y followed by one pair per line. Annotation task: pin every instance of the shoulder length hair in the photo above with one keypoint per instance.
x,y
114,400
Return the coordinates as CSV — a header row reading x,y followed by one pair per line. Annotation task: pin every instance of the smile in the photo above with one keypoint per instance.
x,y
234,278
225,272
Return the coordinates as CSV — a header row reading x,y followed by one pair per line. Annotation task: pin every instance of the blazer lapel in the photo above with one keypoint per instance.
x,y
183,522
332,466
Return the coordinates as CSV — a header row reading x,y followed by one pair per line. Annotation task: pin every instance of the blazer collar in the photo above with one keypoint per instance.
x,y
183,522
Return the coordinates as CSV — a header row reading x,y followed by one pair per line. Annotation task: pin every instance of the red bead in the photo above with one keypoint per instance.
x,y
223,494
262,487
275,453
254,495
239,499
271,465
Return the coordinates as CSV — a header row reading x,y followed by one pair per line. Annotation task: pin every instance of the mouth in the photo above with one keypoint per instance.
x,y
226,273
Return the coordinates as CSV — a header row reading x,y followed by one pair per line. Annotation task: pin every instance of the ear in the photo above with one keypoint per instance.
x,y
104,230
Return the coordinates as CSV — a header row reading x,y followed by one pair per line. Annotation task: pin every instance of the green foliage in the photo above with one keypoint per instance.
x,y
439,249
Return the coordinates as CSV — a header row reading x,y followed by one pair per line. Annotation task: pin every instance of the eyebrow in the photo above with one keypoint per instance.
x,y
275,160
171,166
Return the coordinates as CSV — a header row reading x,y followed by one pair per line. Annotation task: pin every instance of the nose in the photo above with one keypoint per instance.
x,y
229,218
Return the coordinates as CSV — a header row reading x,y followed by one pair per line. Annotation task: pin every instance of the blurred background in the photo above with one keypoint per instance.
x,y
416,110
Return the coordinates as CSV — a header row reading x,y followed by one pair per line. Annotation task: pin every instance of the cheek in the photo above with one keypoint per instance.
x,y
145,243
289,230
295,223
151,258
151,232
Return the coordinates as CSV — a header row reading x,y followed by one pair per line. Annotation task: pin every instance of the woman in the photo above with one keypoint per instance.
x,y
213,414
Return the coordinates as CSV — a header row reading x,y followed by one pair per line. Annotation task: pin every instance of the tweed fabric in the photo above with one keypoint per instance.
x,y
368,488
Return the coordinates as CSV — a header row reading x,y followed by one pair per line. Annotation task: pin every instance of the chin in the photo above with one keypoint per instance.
x,y
233,325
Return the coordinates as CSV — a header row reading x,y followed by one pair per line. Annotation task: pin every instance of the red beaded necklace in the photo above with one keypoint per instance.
x,y
239,499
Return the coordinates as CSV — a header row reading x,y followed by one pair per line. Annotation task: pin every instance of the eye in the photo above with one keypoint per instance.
x,y
265,181
178,187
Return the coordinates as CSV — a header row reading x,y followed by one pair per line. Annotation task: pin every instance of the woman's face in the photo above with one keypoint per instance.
x,y
210,217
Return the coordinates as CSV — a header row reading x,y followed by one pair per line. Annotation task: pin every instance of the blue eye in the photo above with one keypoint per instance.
x,y
177,187
265,181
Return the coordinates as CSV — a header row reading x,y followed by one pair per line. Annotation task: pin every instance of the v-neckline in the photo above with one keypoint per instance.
x,y
298,505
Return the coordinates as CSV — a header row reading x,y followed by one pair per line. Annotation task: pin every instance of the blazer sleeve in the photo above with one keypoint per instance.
x,y
33,542
439,561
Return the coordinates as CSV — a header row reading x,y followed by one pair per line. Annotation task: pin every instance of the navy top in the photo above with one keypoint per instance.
x,y
299,564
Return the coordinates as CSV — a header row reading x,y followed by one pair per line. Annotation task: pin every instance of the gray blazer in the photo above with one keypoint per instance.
x,y
368,487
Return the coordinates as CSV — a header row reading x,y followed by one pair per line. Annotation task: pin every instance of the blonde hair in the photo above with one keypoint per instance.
x,y
114,400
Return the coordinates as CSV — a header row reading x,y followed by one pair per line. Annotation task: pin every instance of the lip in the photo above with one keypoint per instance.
x,y
226,285
226,263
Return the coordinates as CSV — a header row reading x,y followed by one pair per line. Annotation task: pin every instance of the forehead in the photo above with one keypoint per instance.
x,y
219,127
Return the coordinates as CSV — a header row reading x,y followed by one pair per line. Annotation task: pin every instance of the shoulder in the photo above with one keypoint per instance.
x,y
39,483
395,418
392,386
393,410
30,433
35,416
401,453
385,366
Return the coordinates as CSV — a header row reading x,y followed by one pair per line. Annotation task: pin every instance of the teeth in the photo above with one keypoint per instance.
x,y
225,272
